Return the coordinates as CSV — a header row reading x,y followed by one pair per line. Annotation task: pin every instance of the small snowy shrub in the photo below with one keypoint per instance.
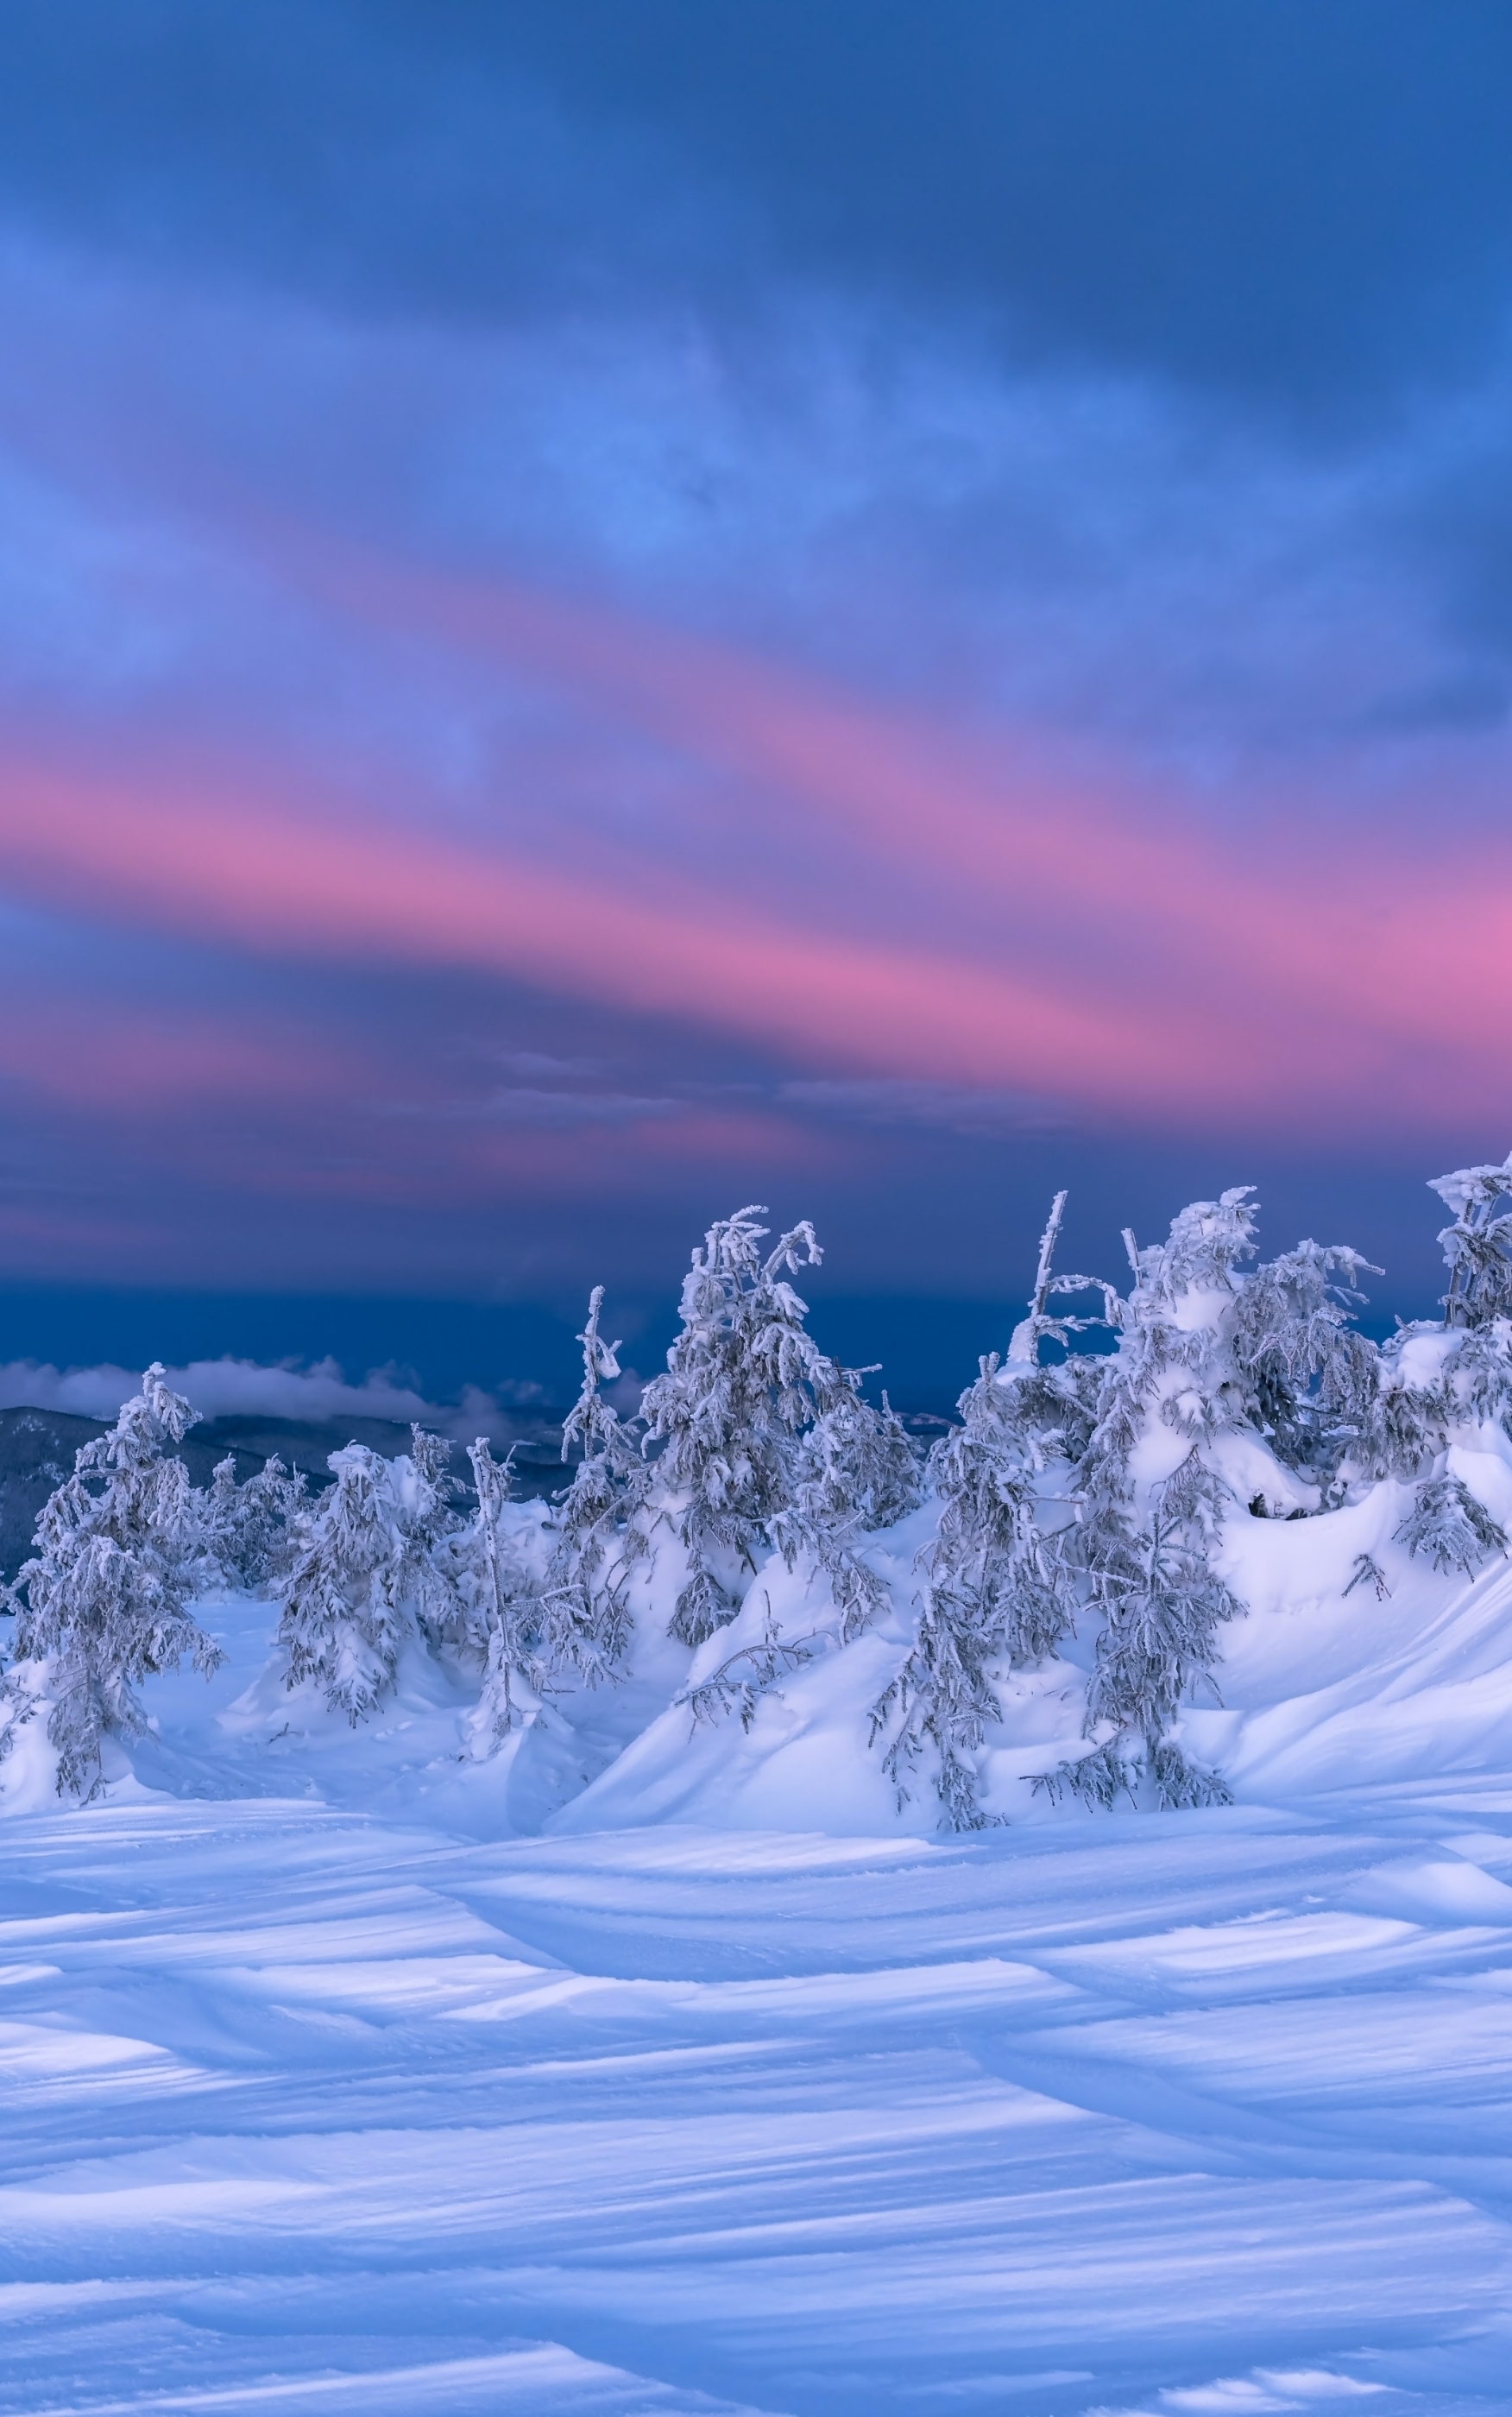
x,y
102,1602
1450,1528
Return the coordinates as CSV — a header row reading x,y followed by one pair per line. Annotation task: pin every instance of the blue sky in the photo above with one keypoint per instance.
x,y
605,612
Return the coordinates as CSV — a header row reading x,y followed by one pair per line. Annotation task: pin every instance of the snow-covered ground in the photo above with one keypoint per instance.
x,y
323,2091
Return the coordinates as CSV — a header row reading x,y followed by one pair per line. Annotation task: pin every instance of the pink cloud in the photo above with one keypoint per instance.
x,y
125,1060
1068,931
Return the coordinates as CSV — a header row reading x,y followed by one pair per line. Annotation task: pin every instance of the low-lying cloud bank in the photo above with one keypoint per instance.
x,y
223,1388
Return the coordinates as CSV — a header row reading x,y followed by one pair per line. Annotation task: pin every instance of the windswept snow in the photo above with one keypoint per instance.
x,y
605,2024
327,2088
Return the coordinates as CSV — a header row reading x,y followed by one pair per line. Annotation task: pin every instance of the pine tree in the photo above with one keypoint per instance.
x,y
1315,1381
583,1612
500,1605
344,1612
249,1527
102,1602
1147,1563
1450,1528
999,1588
852,1473
1405,1426
744,1379
1477,1246
423,1489
1441,1384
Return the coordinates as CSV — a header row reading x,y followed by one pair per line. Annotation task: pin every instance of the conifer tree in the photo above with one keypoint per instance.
x,y
1146,1561
852,1473
500,1605
1450,1528
423,1488
1438,1383
999,1590
1314,1382
102,1602
583,1615
249,1527
1477,1245
744,1379
344,1615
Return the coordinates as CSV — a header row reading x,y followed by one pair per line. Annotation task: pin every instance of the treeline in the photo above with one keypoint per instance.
x,y
1078,1487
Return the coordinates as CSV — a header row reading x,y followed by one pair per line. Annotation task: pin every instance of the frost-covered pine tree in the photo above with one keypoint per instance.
x,y
103,1600
1477,1245
1314,1382
743,1380
249,1528
499,1601
598,1521
423,1492
1477,1307
1450,1528
1163,1604
1441,1385
852,1473
1146,1532
998,1590
345,1615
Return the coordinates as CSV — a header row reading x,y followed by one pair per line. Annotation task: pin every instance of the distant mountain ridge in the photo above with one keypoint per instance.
x,y
37,1448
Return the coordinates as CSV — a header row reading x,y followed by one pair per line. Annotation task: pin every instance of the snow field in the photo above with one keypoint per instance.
x,y
311,2109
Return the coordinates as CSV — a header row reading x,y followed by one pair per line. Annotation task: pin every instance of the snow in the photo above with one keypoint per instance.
x,y
652,2068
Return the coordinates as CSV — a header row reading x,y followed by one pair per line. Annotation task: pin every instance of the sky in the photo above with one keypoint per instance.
x,y
609,612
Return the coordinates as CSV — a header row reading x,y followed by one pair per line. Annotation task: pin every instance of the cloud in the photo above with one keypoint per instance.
x,y
948,1107
1217,195
217,1389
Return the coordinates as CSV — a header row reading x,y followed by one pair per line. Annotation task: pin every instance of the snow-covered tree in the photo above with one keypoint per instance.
x,y
1439,1384
1159,1644
1450,1528
1477,1246
1405,1425
249,1527
852,1473
999,1590
500,1605
103,1600
423,1490
582,1611
744,1379
345,1615
1144,1534
1315,1380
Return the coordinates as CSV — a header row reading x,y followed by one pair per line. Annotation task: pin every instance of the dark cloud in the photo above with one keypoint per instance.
x,y
1310,203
